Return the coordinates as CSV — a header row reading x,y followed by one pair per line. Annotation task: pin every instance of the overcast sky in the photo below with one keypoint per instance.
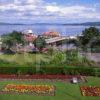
x,y
49,11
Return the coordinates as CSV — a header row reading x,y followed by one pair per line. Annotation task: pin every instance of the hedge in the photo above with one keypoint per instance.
x,y
51,70
17,70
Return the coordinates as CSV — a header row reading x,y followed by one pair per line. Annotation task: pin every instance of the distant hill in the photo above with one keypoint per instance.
x,y
85,24
1,23
92,23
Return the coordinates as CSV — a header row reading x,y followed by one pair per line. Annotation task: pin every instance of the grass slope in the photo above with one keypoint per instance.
x,y
25,58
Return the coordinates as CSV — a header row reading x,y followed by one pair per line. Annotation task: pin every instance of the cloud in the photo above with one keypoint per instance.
x,y
52,8
40,10
70,10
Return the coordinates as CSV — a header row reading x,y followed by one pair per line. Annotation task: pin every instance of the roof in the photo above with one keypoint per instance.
x,y
27,32
51,33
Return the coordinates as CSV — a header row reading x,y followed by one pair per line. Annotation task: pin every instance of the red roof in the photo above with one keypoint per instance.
x,y
51,33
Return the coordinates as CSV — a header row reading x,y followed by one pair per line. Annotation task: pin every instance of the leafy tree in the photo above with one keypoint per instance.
x,y
40,42
12,39
88,34
96,45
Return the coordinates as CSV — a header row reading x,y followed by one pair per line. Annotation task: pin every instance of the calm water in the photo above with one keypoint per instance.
x,y
39,29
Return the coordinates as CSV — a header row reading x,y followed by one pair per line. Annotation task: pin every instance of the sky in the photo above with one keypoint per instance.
x,y
49,11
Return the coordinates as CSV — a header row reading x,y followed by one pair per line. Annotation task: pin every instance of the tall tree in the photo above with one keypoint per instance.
x,y
40,42
88,34
12,39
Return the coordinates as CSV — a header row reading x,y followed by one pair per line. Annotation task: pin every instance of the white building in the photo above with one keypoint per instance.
x,y
0,44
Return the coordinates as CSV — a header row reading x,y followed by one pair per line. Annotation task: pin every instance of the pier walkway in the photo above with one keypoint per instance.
x,y
60,38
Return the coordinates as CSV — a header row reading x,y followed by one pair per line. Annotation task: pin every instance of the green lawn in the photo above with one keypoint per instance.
x,y
64,90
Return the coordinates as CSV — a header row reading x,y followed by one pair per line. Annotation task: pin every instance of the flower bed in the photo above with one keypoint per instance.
x,y
29,89
37,76
90,90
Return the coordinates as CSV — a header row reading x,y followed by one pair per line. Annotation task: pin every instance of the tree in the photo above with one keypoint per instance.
x,y
88,34
12,39
95,45
40,42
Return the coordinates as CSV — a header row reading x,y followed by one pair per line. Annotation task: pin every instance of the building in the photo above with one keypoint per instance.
x,y
0,40
29,37
0,43
51,34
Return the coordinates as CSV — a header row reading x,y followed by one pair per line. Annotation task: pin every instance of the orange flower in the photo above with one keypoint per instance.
x,y
30,88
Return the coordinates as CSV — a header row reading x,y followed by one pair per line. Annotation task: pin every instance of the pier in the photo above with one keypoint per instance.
x,y
60,38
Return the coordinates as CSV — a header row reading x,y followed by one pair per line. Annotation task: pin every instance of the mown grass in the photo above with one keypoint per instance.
x,y
64,90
